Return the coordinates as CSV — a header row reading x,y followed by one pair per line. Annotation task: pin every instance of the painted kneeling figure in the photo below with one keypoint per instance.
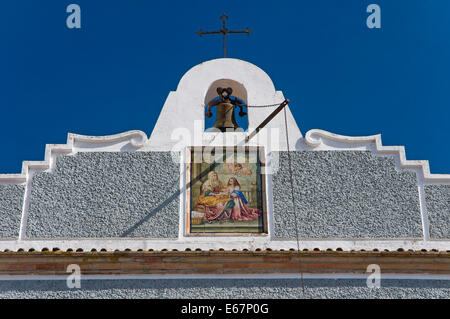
x,y
238,205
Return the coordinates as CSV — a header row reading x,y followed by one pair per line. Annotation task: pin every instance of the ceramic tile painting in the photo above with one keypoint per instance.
x,y
226,193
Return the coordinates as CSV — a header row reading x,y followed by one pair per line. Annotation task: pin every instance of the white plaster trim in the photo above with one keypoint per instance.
x,y
136,138
226,276
269,196
77,143
316,138
223,242
183,195
25,207
424,213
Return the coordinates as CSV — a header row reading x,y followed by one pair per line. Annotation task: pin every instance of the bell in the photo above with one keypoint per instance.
x,y
225,118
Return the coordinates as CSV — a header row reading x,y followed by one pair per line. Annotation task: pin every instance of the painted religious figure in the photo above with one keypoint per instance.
x,y
229,197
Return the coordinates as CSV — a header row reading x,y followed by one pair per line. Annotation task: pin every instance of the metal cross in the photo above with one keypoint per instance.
x,y
224,31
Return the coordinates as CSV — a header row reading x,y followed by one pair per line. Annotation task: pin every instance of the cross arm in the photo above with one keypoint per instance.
x,y
246,31
201,32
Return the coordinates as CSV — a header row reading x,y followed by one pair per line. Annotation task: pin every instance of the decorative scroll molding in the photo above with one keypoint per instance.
x,y
75,143
315,138
136,138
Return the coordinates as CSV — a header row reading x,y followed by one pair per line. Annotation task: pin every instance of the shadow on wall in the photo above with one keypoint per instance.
x,y
170,199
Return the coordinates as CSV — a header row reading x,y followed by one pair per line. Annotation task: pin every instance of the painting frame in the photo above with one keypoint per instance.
x,y
261,189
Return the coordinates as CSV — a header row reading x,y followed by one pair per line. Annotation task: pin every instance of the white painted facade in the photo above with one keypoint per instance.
x,y
183,115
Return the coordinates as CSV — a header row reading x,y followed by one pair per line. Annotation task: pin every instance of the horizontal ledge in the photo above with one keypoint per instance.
x,y
220,262
385,276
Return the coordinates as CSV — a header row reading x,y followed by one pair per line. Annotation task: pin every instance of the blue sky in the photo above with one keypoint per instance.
x,y
114,73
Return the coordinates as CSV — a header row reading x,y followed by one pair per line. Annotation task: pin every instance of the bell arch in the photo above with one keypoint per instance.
x,y
239,89
239,92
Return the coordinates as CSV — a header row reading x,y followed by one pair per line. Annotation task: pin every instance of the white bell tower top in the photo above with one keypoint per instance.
x,y
182,119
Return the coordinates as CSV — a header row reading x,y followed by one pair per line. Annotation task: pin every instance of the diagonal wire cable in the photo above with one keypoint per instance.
x,y
293,200
267,105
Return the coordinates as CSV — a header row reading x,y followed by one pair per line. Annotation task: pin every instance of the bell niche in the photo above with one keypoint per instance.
x,y
225,110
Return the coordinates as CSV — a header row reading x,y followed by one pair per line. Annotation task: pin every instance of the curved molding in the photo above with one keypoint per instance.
x,y
226,68
315,138
136,138
75,142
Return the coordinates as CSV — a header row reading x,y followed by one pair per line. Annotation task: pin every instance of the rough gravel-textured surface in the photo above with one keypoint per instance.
x,y
11,202
133,194
227,288
345,194
437,198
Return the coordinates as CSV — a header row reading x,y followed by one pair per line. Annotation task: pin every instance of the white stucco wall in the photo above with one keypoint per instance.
x,y
184,110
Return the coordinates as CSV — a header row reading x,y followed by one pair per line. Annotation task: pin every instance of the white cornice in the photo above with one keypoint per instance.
x,y
226,243
76,142
316,138
135,139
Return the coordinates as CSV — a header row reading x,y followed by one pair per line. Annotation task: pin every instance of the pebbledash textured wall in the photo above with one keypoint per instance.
x,y
11,202
338,194
346,194
119,194
227,288
437,198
